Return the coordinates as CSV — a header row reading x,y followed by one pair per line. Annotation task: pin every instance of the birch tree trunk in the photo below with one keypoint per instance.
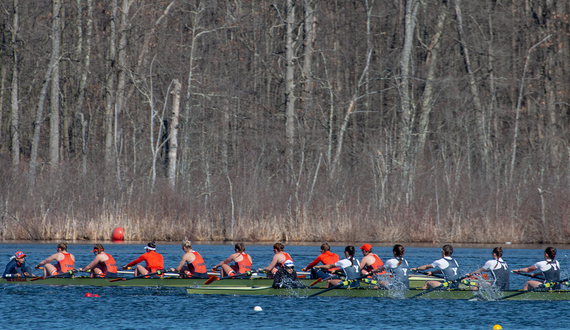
x,y
15,113
174,134
406,129
479,111
122,58
289,83
85,59
110,89
307,68
2,89
54,114
431,63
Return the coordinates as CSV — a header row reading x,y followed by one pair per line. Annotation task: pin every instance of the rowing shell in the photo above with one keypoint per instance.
x,y
366,292
173,281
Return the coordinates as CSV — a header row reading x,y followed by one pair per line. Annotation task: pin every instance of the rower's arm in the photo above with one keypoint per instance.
x,y
272,264
92,264
525,270
227,261
46,261
478,271
424,267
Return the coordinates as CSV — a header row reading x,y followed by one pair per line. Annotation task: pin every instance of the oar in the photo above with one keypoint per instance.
x,y
538,276
69,272
211,279
160,272
345,282
319,280
248,273
424,272
441,286
546,285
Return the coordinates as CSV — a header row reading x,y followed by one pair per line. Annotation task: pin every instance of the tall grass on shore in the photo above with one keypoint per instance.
x,y
444,208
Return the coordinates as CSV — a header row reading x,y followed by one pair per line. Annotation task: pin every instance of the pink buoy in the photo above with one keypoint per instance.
x,y
118,234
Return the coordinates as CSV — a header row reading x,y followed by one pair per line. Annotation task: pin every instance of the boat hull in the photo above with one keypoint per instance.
x,y
415,281
367,292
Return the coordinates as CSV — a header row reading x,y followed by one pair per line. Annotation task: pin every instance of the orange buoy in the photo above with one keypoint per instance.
x,y
118,234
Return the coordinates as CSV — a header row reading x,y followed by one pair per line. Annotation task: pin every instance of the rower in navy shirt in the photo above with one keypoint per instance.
x,y
446,266
549,267
498,269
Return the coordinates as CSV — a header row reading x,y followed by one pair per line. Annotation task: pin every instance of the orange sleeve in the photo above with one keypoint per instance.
x,y
136,261
315,262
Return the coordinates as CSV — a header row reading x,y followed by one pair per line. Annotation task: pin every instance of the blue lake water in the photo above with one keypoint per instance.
x,y
65,307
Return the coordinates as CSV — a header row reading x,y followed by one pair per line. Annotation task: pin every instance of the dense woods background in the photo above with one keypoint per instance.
x,y
306,120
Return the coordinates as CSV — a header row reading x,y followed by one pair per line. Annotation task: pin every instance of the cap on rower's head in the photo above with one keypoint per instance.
x,y
19,254
366,247
288,264
150,246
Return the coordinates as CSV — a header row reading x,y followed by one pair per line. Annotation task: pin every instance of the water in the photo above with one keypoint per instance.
x,y
38,307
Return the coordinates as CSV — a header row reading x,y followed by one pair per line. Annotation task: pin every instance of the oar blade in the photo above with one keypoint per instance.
x,y
317,281
211,279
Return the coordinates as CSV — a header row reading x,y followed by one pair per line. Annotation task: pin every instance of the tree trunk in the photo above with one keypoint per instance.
x,y
174,134
406,106
480,117
54,114
110,89
2,86
15,113
289,83
431,63
85,59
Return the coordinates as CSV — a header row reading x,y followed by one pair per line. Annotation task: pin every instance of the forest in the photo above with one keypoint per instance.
x,y
285,120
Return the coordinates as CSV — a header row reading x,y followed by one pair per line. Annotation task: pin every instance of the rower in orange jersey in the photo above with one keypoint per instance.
x,y
278,259
154,261
370,261
327,258
242,262
192,264
65,262
103,265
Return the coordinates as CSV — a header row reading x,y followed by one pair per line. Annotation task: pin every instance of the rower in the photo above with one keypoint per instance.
x,y
350,267
327,258
446,265
154,261
242,262
549,267
370,261
192,264
498,269
103,265
17,267
278,259
64,262
398,267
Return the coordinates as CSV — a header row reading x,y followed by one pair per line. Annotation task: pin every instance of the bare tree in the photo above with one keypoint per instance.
x,y
291,117
110,87
54,100
85,60
173,151
15,113
405,60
